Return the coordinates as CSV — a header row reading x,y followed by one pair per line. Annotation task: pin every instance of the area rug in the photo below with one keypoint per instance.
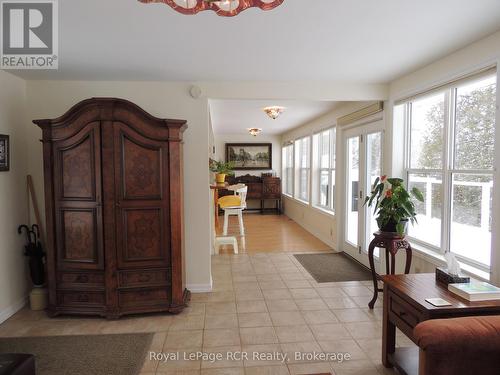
x,y
331,267
83,355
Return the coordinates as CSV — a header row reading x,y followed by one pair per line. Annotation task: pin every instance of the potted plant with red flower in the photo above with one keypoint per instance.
x,y
393,204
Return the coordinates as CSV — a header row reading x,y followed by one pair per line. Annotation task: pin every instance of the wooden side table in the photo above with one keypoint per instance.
x,y
391,242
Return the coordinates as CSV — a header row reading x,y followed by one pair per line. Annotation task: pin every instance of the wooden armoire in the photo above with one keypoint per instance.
x,y
113,196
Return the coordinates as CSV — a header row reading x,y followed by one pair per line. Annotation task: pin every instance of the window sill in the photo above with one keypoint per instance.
x,y
324,211
439,260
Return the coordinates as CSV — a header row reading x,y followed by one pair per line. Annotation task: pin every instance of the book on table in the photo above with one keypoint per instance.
x,y
475,291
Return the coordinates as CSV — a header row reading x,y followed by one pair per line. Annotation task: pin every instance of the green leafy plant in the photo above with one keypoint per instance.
x,y
393,203
221,167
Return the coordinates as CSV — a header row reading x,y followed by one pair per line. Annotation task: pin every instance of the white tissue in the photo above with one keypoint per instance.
x,y
452,264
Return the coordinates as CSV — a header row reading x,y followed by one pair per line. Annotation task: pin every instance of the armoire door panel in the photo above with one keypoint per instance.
x,y
142,207
77,170
77,165
142,177
79,236
143,235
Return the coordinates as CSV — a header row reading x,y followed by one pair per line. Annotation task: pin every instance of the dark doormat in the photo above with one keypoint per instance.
x,y
331,267
83,355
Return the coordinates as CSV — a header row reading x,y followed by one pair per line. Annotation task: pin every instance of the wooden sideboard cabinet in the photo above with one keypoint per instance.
x,y
259,188
113,195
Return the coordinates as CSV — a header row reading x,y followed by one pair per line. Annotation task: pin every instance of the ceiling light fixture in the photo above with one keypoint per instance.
x,y
224,8
274,111
254,131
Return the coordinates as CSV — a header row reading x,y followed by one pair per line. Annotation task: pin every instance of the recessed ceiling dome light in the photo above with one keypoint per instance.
x,y
274,111
254,131
224,8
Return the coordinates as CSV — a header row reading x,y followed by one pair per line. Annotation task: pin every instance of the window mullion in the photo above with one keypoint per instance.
x,y
447,167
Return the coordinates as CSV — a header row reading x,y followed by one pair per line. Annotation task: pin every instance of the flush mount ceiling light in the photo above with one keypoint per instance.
x,y
224,8
254,131
274,111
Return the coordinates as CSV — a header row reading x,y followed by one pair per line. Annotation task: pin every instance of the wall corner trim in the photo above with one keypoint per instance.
x,y
200,288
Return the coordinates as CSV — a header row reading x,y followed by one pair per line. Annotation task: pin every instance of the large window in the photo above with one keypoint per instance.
x,y
324,150
288,167
303,169
450,158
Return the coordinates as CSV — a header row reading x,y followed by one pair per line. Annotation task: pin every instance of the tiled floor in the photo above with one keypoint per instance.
x,y
263,303
270,233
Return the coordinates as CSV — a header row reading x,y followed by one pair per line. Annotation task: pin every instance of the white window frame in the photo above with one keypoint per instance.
x,y
299,169
288,190
448,168
318,151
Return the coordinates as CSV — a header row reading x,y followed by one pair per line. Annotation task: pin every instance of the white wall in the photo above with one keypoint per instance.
x,y
323,225
14,279
479,55
49,99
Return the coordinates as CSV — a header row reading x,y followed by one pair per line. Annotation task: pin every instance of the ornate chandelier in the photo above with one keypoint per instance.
x,y
224,8
274,112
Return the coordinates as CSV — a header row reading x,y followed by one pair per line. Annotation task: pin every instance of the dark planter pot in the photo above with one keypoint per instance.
x,y
390,227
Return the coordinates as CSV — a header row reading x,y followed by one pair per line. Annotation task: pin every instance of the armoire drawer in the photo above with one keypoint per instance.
x,y
144,297
143,278
80,279
80,298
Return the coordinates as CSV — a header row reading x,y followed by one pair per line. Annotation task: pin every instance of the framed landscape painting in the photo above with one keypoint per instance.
x,y
4,153
250,156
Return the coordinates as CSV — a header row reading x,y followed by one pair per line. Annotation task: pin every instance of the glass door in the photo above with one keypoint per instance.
x,y
363,164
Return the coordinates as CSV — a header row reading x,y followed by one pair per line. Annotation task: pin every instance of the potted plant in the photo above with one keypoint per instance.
x,y
221,170
393,204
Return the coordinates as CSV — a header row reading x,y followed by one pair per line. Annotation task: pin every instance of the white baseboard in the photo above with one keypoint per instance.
x,y
200,288
12,309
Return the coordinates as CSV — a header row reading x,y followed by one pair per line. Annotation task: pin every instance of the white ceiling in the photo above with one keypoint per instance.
x,y
333,40
236,116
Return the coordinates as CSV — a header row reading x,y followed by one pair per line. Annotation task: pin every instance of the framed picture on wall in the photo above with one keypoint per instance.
x,y
250,156
4,153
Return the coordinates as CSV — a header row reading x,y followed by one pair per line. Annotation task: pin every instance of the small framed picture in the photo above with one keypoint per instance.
x,y
4,153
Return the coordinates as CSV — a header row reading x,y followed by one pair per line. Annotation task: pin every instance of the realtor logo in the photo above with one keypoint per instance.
x,y
29,34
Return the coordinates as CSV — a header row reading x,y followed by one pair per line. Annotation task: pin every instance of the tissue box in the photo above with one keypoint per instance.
x,y
442,276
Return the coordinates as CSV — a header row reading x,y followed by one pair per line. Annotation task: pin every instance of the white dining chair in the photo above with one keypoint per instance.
x,y
234,207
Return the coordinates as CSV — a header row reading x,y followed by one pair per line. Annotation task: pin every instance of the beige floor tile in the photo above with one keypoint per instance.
x,y
311,304
297,333
357,291
187,322
249,295
185,361
287,318
331,292
277,294
310,368
364,330
226,296
269,277
217,308
293,284
254,320
345,346
156,346
332,331
222,357
251,285
352,315
223,371
244,279
195,308
221,337
183,340
258,335
304,293
372,347
294,276
275,284
281,305
320,317
340,303
254,355
221,321
267,370
303,348
251,306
